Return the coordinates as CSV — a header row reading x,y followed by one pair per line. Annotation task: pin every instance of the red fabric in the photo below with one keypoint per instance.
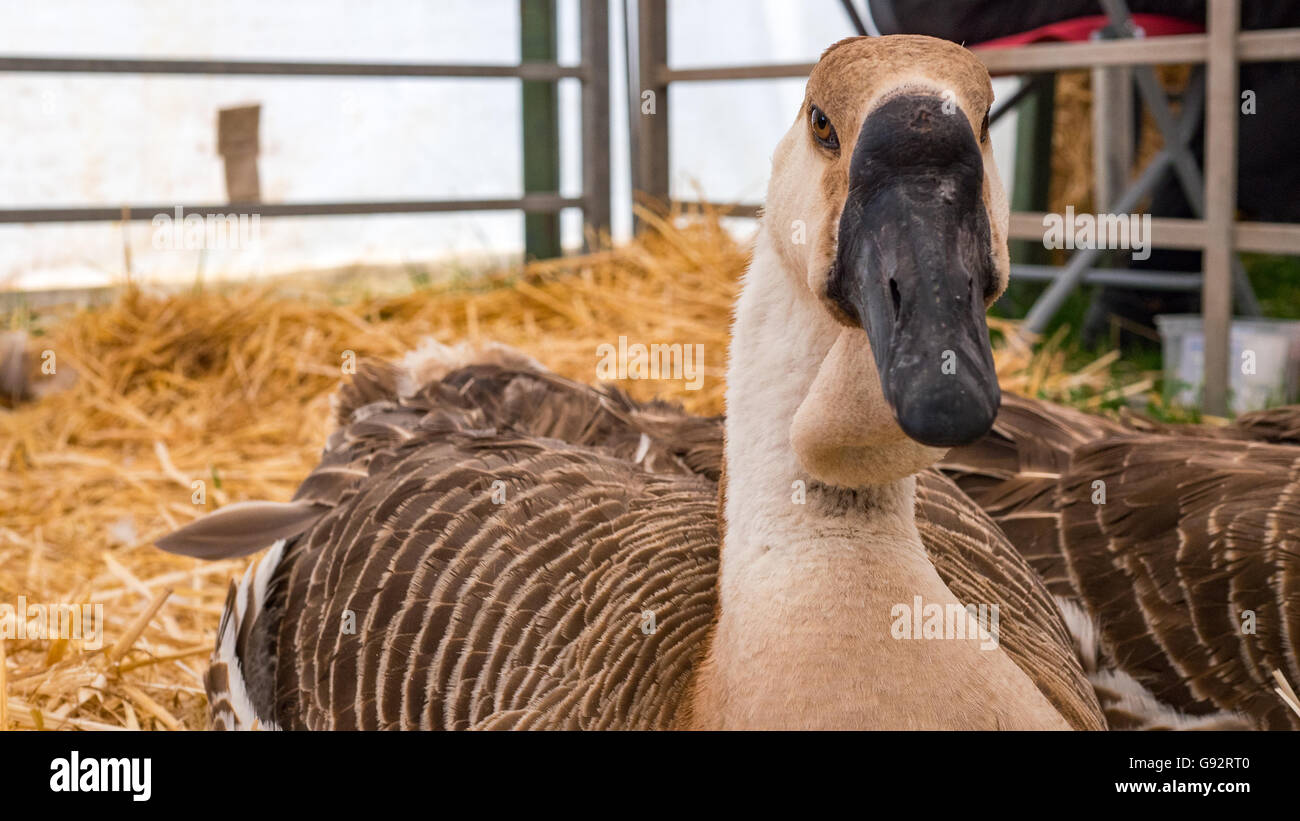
x,y
1080,29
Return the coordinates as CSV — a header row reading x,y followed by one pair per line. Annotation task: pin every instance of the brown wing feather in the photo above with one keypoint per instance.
x,y
485,604
1278,425
1012,474
1196,528
546,405
241,529
1193,535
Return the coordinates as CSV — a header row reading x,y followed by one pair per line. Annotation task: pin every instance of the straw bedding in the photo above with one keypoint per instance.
x,y
230,389
1071,160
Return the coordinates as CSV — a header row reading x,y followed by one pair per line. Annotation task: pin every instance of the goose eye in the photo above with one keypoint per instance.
x,y
822,128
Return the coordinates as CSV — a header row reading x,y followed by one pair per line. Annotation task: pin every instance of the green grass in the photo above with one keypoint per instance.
x,y
1276,280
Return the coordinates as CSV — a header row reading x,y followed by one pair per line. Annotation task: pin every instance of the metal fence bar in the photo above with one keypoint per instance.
x,y
105,65
1032,85
631,77
743,210
854,18
593,72
1178,232
540,118
650,164
1113,131
1221,49
1122,277
1166,232
1051,300
771,71
531,202
595,116
1252,46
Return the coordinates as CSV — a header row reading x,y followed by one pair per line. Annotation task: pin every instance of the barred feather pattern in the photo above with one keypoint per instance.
x,y
503,548
1277,425
1013,473
1189,562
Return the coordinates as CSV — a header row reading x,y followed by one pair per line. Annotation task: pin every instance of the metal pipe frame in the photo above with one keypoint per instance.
x,y
529,202
278,68
1252,47
1121,277
1220,53
593,73
1179,133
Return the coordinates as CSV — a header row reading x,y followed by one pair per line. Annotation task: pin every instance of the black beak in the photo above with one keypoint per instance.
x,y
914,264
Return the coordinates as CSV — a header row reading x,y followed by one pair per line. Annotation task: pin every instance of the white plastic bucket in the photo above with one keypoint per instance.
x,y
1263,361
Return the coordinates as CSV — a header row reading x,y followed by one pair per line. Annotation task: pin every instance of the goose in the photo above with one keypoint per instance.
x,y
1175,550
1279,425
486,545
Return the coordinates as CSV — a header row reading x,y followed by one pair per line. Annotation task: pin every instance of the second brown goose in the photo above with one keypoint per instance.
x,y
1175,550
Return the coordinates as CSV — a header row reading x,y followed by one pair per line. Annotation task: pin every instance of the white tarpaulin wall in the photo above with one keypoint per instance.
x,y
108,140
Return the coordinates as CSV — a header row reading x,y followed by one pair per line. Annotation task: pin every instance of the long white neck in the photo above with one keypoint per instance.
x,y
810,574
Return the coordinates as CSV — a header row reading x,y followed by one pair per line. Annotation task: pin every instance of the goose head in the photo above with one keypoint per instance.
x,y
886,205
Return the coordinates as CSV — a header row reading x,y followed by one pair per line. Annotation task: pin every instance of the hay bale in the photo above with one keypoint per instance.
x,y
1072,181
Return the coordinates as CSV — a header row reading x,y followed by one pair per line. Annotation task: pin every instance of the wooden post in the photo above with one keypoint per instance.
x,y
541,127
1220,198
237,141
595,116
651,160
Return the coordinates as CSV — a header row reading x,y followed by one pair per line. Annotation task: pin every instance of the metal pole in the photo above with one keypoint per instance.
x,y
1112,130
1034,84
1220,198
1054,297
529,202
275,68
595,116
1119,277
631,70
854,17
1033,159
652,99
1189,174
541,127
